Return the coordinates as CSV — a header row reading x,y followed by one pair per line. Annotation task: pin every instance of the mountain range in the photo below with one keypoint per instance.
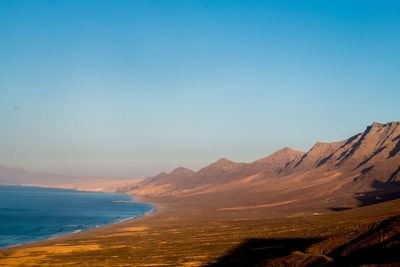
x,y
357,171
275,211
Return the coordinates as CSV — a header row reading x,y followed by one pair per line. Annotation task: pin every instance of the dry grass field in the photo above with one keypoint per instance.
x,y
181,236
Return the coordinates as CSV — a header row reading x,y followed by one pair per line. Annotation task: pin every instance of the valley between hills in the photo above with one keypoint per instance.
x,y
336,204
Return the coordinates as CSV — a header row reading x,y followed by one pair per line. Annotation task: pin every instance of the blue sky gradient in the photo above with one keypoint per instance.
x,y
131,88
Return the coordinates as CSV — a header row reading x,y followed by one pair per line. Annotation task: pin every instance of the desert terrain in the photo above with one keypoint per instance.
x,y
178,236
336,204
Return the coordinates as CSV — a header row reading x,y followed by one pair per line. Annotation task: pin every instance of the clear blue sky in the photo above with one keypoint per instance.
x,y
131,88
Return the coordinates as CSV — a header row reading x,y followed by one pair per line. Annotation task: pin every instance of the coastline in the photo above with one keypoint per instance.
x,y
56,236
179,234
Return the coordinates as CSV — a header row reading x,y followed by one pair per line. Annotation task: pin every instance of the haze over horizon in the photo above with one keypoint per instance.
x,y
133,88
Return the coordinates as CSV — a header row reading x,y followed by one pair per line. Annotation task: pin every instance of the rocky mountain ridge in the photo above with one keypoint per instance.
x,y
351,172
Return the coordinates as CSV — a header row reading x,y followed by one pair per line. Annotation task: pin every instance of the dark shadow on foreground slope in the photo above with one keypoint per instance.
x,y
379,245
256,251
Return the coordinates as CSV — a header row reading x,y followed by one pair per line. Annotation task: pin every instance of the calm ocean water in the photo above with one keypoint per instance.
x,y
35,213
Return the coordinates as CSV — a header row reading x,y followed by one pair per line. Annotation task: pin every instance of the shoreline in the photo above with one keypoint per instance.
x,y
78,231
181,235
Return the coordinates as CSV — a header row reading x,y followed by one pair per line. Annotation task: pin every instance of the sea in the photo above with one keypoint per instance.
x,y
30,214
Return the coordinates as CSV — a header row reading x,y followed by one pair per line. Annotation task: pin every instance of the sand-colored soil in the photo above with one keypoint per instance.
x,y
178,235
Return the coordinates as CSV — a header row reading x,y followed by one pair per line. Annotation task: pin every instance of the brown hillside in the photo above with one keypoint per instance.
x,y
360,170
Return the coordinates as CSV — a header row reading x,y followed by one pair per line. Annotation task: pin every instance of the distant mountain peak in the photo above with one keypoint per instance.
x,y
223,161
180,170
281,155
377,124
381,125
287,150
319,146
